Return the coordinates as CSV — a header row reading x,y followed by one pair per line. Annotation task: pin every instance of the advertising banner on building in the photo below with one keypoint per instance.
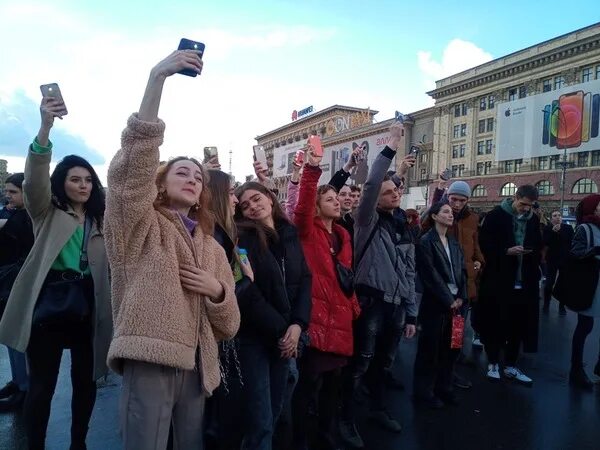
x,y
546,124
337,156
334,157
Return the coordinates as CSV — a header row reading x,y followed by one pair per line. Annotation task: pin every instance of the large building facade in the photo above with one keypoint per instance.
x,y
489,132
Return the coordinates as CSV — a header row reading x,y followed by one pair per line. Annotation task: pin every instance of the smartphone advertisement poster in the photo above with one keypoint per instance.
x,y
546,124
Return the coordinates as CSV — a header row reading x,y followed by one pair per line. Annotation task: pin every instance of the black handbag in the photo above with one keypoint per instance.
x,y
63,300
66,296
578,279
345,276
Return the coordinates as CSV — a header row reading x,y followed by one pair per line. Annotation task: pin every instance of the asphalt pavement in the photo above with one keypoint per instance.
x,y
550,415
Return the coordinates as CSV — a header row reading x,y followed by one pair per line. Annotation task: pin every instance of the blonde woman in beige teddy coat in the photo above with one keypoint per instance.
x,y
172,287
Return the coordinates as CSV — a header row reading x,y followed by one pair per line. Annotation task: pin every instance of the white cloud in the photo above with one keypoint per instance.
x,y
102,72
458,55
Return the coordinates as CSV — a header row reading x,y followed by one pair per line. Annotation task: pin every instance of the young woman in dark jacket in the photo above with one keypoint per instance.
x,y
441,267
16,240
275,309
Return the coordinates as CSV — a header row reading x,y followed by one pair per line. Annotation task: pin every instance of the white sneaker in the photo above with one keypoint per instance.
x,y
477,342
512,373
493,372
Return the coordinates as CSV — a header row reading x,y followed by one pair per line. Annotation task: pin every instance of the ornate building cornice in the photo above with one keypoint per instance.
x,y
528,63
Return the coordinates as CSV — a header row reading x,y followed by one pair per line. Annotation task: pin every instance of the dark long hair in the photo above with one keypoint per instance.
x,y
428,223
261,230
95,205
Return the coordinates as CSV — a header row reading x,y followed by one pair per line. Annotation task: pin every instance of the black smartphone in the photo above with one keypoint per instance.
x,y
187,44
446,175
595,115
414,150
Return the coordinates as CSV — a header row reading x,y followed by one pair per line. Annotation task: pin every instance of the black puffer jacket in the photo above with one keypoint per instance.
x,y
281,292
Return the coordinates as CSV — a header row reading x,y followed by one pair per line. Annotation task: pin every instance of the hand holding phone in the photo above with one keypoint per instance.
x,y
52,100
446,175
314,142
260,155
198,47
299,158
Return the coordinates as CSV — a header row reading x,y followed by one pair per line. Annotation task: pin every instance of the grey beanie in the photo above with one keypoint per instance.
x,y
460,188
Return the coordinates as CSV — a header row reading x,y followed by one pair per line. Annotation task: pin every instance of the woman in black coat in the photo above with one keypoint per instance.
x,y
441,268
16,240
275,309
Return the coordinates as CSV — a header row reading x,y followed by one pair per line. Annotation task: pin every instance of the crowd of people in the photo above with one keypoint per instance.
x,y
238,322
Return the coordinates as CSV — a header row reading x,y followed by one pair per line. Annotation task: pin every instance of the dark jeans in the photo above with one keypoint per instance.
x,y
434,363
265,377
552,269
380,328
509,332
18,369
44,354
317,397
585,324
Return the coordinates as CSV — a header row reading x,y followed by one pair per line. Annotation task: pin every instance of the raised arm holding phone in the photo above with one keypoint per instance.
x,y
173,288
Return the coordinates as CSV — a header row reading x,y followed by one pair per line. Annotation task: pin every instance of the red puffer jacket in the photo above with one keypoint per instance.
x,y
330,327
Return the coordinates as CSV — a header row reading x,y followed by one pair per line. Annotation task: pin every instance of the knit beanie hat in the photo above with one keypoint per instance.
x,y
460,188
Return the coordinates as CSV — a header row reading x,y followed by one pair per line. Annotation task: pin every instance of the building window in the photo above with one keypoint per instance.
x,y
482,126
554,161
487,168
508,166
457,171
547,85
479,168
585,186
462,150
463,130
518,163
512,94
544,187
586,74
480,147
423,158
482,104
464,109
508,189
455,151
543,163
582,159
597,72
491,101
479,191
461,170
522,91
454,171
488,147
423,174
559,82
456,131
457,110
490,125
596,158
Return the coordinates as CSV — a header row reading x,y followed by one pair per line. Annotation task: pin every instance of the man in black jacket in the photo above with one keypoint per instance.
x,y
557,244
511,242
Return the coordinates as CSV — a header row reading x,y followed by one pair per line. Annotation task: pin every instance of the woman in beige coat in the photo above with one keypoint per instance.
x,y
67,262
173,289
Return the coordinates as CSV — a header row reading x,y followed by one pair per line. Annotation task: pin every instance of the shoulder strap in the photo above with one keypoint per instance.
x,y
83,256
364,250
589,233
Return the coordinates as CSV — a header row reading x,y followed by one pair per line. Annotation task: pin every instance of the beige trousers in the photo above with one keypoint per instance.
x,y
152,398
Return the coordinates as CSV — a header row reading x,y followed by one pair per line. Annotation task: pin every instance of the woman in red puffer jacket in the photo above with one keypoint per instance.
x,y
330,328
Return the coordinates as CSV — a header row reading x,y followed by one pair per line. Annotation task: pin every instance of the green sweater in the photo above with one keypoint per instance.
x,y
69,256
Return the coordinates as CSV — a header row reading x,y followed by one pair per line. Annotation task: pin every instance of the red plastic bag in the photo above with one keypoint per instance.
x,y
458,331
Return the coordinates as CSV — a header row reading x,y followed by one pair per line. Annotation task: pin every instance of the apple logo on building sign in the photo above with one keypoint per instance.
x,y
507,112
